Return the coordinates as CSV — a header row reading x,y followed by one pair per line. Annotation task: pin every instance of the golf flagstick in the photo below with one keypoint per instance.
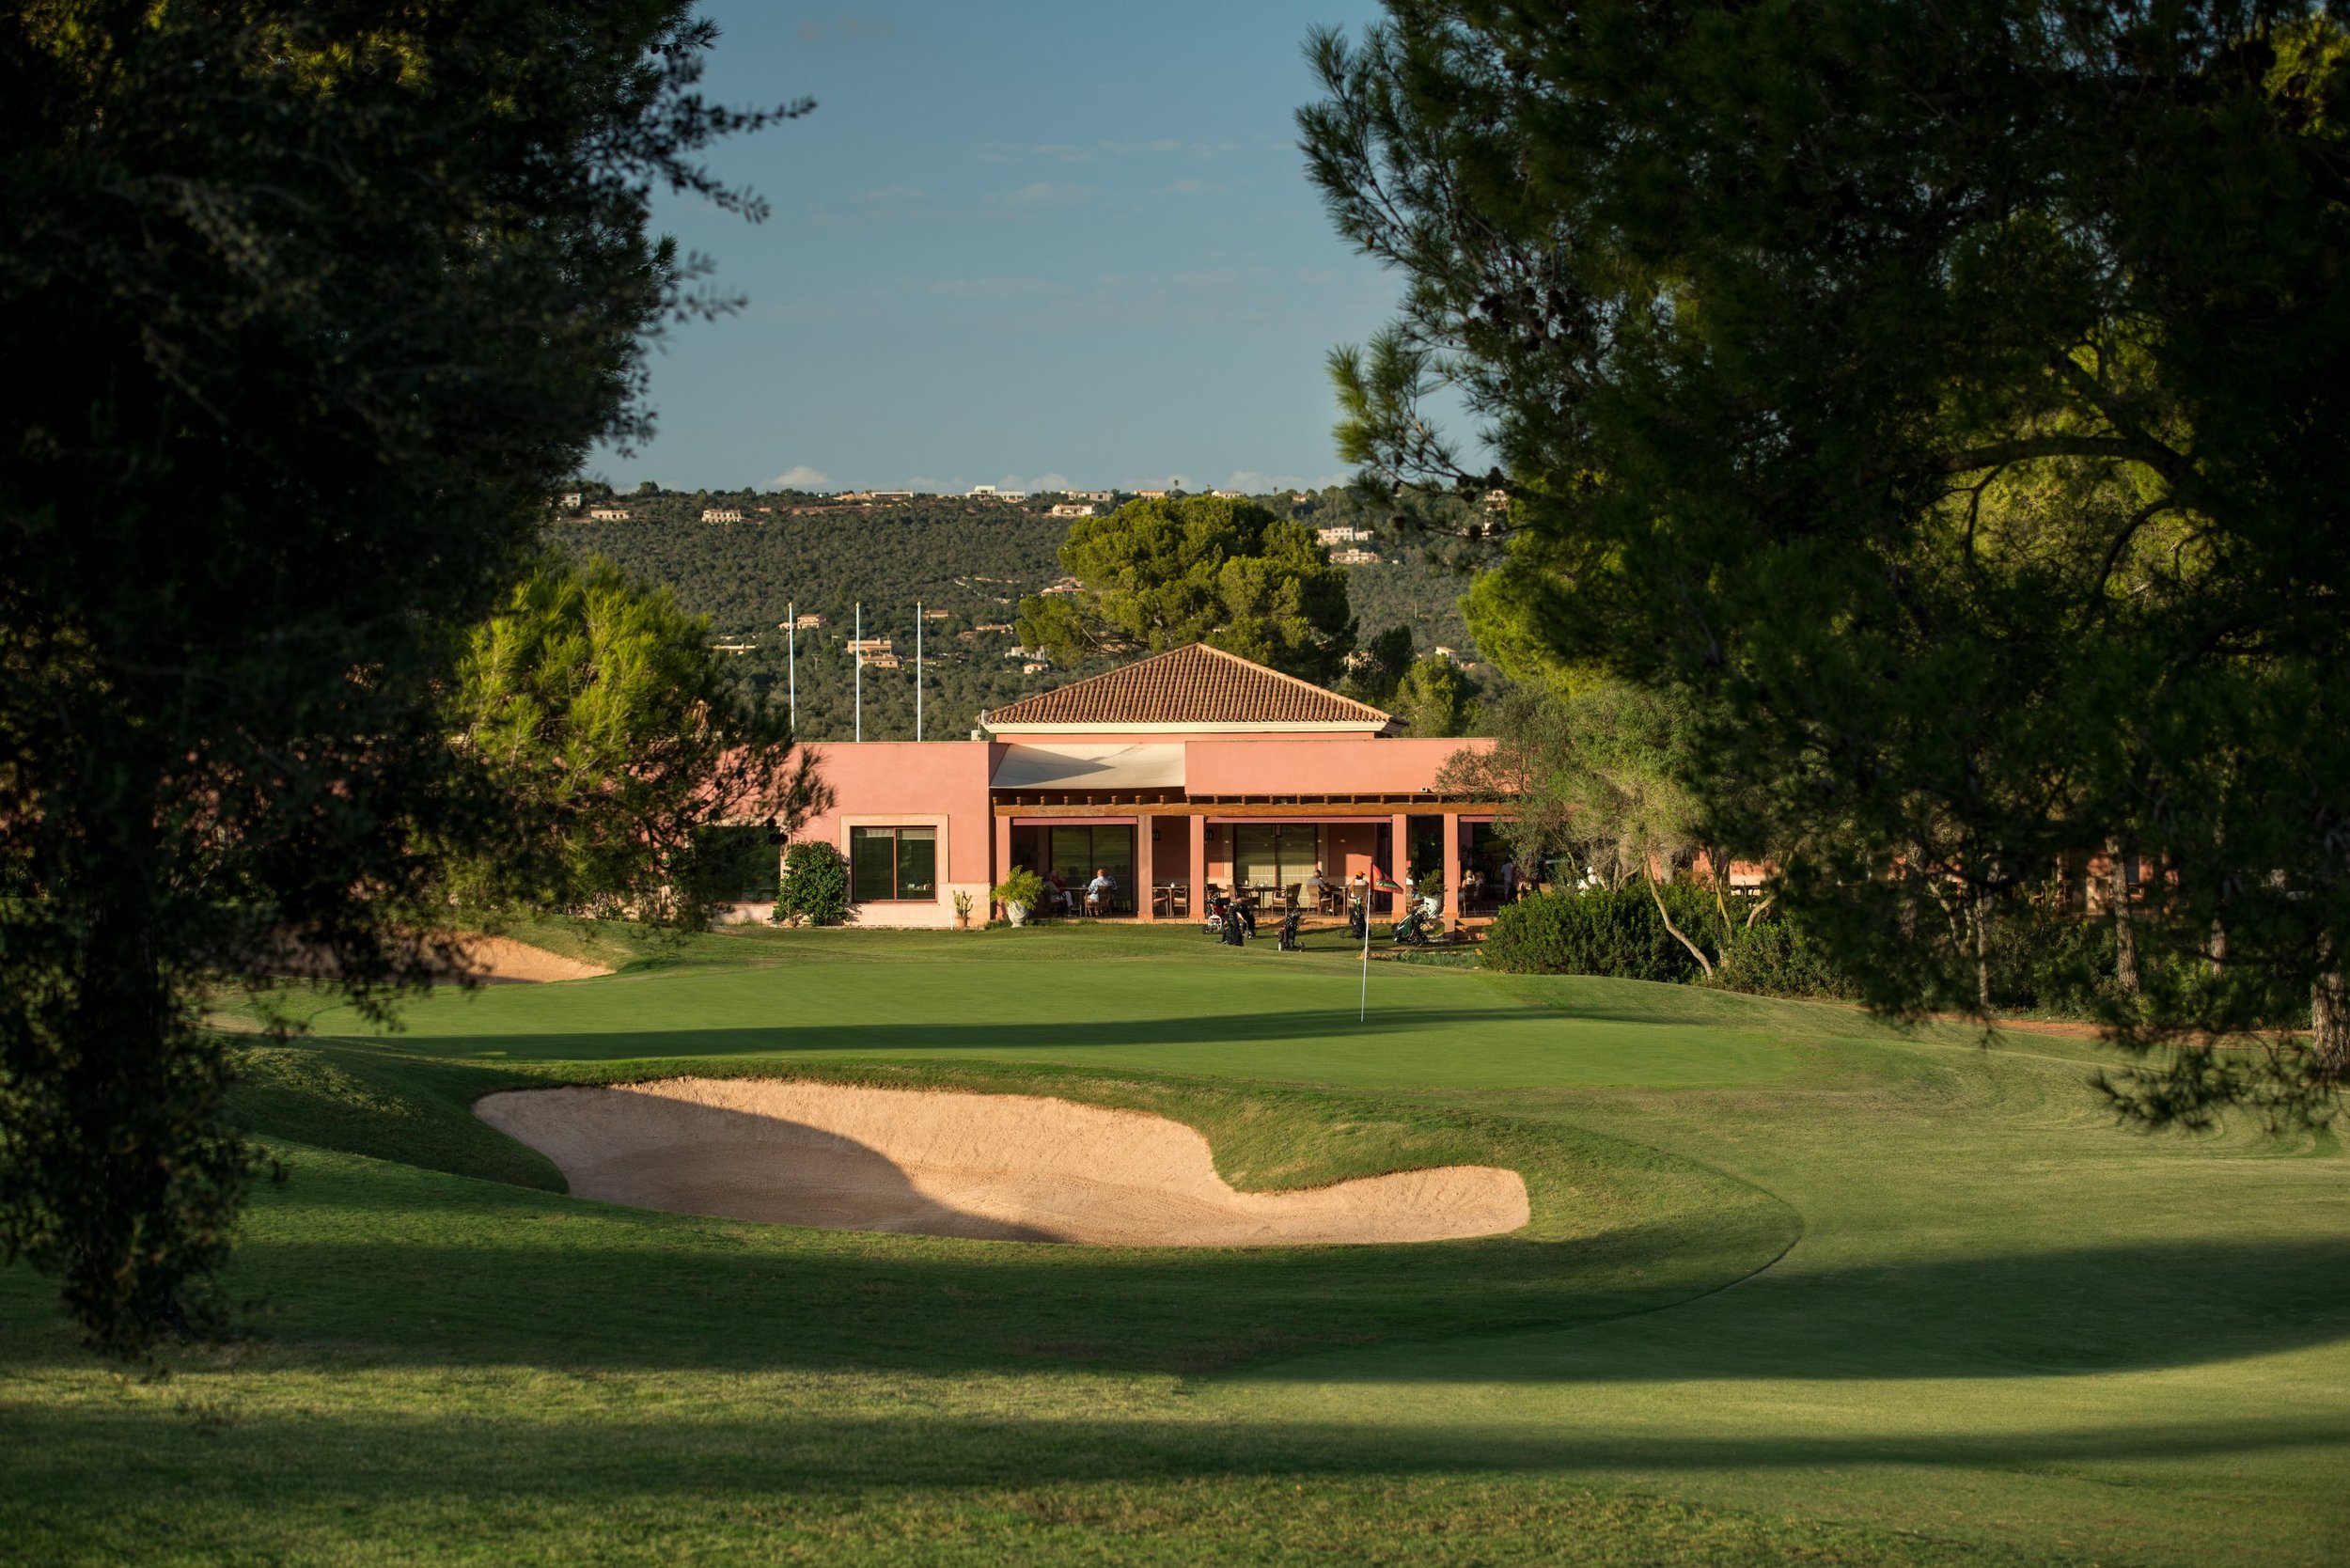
x,y
1378,884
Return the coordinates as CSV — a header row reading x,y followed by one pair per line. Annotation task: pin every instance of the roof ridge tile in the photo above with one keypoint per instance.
x,y
1195,684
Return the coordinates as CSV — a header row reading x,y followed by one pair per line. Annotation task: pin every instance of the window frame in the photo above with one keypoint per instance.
x,y
861,831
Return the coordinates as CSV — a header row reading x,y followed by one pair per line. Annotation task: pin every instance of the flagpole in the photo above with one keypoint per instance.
x,y
791,660
859,643
1362,1009
918,669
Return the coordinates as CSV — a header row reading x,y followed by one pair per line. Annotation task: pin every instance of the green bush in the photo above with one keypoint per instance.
x,y
1601,932
1777,957
815,884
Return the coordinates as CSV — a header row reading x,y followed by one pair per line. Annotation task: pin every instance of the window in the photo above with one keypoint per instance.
x,y
893,864
1078,851
1275,855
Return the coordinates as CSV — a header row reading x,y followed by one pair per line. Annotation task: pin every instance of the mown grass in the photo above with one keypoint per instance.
x,y
2005,1331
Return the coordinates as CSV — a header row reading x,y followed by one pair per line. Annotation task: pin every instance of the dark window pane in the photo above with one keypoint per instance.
x,y
1256,856
872,870
918,862
1073,856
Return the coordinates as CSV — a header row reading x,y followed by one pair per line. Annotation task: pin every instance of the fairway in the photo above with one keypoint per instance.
x,y
1797,1286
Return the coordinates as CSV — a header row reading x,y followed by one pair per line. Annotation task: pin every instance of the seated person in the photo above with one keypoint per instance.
x,y
1098,891
1314,889
1056,892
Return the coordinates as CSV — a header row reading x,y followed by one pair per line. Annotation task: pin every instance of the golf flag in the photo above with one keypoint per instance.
x,y
1382,882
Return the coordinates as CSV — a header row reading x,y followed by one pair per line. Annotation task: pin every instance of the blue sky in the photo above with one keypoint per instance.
x,y
1033,244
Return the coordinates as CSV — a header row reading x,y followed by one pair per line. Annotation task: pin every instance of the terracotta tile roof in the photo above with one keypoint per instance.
x,y
1197,684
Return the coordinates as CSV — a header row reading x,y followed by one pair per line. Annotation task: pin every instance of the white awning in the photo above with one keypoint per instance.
x,y
1090,767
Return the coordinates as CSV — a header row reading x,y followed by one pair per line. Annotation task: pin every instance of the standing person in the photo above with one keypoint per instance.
x,y
1508,882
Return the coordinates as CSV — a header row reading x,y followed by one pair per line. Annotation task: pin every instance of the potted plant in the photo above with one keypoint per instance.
x,y
1019,893
962,909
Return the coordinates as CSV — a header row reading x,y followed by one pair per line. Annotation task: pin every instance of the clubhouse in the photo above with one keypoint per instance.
x,y
1191,767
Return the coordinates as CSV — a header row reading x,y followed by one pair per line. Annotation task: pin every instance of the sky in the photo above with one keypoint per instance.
x,y
1039,246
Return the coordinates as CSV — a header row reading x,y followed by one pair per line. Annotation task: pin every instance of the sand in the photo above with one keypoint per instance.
x,y
502,958
996,1167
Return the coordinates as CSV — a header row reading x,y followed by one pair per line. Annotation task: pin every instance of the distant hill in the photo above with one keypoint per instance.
x,y
971,559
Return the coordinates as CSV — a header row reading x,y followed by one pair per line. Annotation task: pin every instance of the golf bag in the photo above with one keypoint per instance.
x,y
1288,942
1236,929
1212,924
1413,930
1358,918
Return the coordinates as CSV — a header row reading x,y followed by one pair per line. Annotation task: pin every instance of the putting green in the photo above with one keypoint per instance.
x,y
1798,1289
1184,1007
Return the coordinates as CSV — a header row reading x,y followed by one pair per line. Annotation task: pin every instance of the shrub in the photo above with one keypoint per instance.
x,y
1614,933
1777,957
815,884
1023,886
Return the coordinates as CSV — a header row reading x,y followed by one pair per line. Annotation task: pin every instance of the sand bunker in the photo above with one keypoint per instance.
x,y
999,1167
502,958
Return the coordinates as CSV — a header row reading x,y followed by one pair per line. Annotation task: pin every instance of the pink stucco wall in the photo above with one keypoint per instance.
x,y
935,784
1275,766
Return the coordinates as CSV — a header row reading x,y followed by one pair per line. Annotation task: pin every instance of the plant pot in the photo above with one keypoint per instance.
x,y
1017,913
963,922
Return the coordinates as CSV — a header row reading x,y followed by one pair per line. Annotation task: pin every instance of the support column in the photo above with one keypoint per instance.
x,y
1145,888
1193,904
1400,853
1451,866
1002,866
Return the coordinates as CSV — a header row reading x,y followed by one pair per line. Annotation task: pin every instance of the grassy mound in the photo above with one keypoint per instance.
x,y
1617,1228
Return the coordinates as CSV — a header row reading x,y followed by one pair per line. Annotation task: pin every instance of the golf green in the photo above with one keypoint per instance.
x,y
1798,1288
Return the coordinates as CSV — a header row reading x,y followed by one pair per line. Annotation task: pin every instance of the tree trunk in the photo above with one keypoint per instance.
x,y
1982,948
1695,951
1909,895
2219,946
2118,856
2330,1021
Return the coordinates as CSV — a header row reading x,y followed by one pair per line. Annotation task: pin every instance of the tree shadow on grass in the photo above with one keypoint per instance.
x,y
659,1455
619,1289
783,1037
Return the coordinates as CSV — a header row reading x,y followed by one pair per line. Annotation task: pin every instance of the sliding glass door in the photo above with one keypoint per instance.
x,y
1078,850
1275,855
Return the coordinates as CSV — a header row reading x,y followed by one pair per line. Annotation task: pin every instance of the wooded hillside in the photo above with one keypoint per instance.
x,y
971,559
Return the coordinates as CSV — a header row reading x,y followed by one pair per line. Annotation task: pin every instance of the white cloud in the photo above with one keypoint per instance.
x,y
988,288
890,195
799,476
1048,193
1006,153
1168,144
